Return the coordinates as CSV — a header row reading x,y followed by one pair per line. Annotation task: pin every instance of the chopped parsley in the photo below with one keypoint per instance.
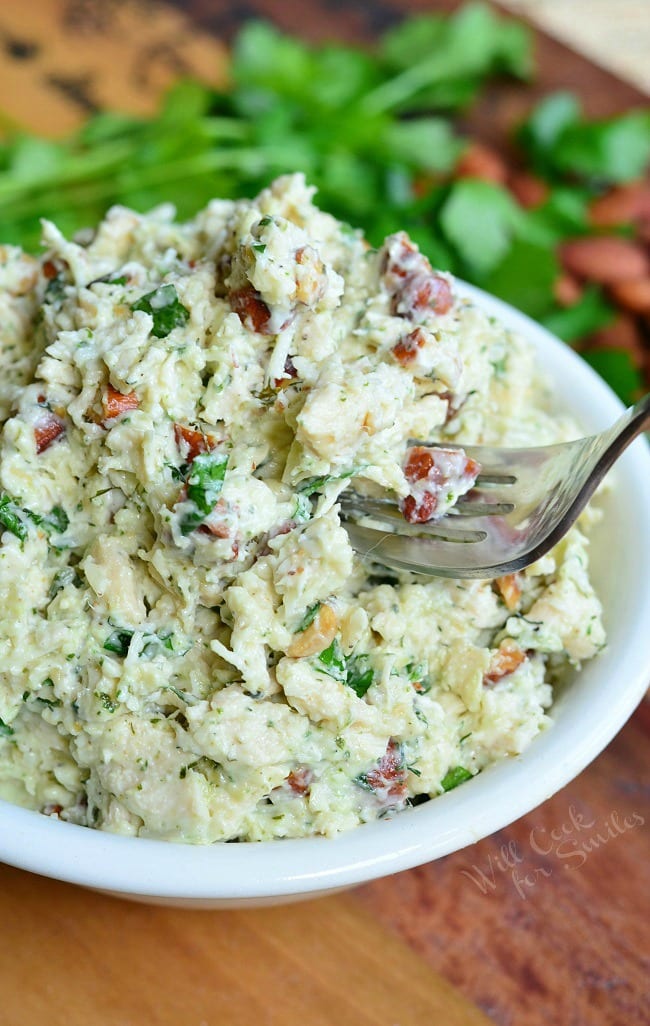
x,y
10,517
360,674
118,642
455,776
316,484
5,729
308,618
332,661
62,578
204,487
356,672
106,701
54,522
165,308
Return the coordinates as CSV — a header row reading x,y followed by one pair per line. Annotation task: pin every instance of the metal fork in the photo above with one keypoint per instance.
x,y
523,502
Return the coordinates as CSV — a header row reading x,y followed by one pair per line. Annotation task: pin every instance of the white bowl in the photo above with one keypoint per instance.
x,y
586,716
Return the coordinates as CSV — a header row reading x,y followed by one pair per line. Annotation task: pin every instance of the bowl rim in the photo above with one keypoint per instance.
x,y
500,794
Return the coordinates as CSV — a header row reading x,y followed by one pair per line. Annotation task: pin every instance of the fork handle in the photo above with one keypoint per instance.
x,y
635,420
611,443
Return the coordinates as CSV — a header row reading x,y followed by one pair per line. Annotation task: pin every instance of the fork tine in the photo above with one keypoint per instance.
x,y
387,511
494,477
473,507
386,514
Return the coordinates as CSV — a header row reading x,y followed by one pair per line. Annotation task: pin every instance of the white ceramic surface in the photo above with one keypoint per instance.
x,y
587,715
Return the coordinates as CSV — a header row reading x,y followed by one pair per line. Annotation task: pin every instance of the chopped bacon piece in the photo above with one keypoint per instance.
x,y
115,403
388,779
504,661
50,270
438,478
47,430
195,441
405,350
300,780
218,530
52,809
414,288
510,588
251,309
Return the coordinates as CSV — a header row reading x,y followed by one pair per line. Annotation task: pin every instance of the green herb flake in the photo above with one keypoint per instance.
x,y
184,696
302,511
10,517
204,487
165,308
5,729
455,776
308,618
65,576
316,484
54,522
360,675
332,661
119,642
51,703
107,702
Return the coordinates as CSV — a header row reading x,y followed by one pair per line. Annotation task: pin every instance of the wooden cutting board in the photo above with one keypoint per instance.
x,y
73,958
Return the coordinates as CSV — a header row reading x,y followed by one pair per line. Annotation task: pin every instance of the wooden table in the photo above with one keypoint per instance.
x,y
543,923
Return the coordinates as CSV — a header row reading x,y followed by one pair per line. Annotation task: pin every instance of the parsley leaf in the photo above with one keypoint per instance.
x,y
204,487
55,522
332,661
480,220
360,675
308,618
165,308
10,517
118,642
5,729
455,776
615,365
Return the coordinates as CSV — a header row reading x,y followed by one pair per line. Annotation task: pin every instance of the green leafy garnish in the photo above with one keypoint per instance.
x,y
154,643
561,143
316,484
107,702
204,487
360,675
165,308
62,578
50,703
183,695
302,511
119,642
454,777
332,661
54,522
11,517
480,220
589,314
616,366
356,672
5,729
308,618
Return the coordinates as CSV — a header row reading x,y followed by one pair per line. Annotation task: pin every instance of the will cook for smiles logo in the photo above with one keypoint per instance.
x,y
567,845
